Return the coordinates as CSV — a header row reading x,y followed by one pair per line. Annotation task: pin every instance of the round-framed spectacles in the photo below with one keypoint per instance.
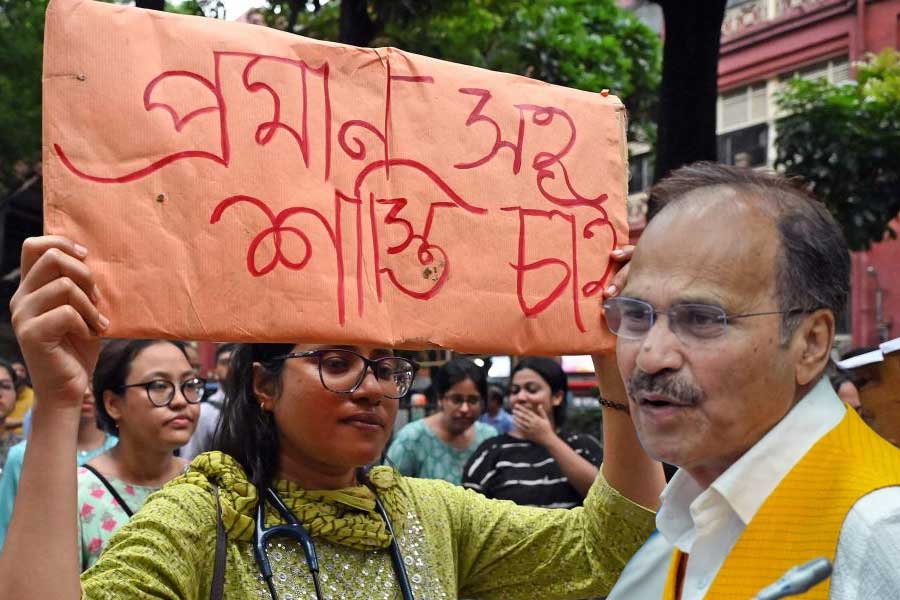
x,y
343,371
161,392
460,399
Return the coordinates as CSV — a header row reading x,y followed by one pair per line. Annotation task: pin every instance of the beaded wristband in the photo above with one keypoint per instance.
x,y
615,405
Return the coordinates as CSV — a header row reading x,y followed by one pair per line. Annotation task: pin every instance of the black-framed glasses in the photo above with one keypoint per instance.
x,y
161,392
343,371
457,400
632,319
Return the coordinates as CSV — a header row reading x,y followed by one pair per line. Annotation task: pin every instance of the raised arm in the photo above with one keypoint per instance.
x,y
502,550
57,324
625,464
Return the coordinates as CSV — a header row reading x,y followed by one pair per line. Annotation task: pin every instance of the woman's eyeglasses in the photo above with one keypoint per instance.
x,y
457,400
161,392
343,371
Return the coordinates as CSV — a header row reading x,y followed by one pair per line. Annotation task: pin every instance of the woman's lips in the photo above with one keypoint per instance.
x,y
179,422
366,421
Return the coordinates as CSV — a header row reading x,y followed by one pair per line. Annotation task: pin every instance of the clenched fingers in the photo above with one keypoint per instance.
x,y
59,292
620,255
35,247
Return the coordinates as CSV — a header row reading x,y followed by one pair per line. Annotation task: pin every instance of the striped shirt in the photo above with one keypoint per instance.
x,y
509,468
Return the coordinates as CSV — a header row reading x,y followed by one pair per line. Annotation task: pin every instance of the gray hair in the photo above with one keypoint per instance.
x,y
812,268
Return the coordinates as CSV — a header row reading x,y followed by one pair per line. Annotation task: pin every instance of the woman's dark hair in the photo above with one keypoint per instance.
x,y
457,370
223,348
113,368
5,364
551,372
245,431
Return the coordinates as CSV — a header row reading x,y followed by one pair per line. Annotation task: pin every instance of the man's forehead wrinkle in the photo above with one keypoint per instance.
x,y
714,249
690,286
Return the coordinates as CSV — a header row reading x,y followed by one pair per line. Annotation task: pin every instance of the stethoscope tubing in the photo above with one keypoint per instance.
x,y
293,528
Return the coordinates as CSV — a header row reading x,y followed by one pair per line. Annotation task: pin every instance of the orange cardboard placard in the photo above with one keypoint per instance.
x,y
234,182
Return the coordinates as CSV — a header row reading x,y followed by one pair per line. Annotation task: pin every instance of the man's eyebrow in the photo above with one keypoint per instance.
x,y
708,300
687,299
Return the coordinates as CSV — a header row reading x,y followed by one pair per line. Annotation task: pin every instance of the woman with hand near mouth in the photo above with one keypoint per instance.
x,y
147,394
438,446
535,464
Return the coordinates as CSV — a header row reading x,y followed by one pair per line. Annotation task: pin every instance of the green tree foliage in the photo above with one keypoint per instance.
x,y
584,44
21,37
845,140
215,9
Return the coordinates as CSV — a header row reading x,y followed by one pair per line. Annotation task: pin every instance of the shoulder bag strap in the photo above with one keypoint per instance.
x,y
217,589
111,489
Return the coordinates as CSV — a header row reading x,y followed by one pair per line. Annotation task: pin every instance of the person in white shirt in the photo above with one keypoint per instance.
x,y
725,327
879,393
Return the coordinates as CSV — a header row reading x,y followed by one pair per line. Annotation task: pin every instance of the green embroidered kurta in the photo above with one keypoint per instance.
x,y
455,543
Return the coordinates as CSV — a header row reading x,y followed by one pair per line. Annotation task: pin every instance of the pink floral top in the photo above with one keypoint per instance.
x,y
99,514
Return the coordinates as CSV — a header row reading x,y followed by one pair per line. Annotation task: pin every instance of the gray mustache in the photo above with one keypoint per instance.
x,y
664,384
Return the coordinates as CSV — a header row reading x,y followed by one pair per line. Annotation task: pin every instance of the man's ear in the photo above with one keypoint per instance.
x,y
812,341
264,387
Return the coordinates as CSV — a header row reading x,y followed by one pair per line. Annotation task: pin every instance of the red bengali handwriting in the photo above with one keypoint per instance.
x,y
360,216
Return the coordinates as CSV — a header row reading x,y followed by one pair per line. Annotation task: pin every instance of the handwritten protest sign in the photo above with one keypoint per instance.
x,y
234,182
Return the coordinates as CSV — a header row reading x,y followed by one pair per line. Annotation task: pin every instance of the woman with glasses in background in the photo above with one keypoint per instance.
x,y
288,507
147,394
438,446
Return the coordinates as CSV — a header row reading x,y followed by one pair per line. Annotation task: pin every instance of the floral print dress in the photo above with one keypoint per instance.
x,y
100,514
8,439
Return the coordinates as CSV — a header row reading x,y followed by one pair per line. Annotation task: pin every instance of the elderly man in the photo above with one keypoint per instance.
x,y
724,332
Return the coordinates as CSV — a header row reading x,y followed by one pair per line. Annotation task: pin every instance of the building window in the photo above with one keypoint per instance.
x,y
743,126
640,169
747,147
741,107
835,70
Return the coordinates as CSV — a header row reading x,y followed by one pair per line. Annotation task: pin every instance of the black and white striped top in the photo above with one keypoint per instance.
x,y
508,468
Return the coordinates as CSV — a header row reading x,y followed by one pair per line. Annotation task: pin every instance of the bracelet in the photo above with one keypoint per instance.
x,y
615,405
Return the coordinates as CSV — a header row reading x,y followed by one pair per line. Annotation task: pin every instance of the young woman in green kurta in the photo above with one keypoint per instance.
x,y
294,426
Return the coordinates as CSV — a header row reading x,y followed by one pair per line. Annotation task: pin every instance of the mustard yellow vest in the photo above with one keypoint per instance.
x,y
801,520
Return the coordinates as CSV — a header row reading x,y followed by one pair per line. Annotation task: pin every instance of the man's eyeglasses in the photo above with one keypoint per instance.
x,y
457,400
632,319
343,371
161,392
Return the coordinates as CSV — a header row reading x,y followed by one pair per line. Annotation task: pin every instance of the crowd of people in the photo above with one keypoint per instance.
x,y
284,477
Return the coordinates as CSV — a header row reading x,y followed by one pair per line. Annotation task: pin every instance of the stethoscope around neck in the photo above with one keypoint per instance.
x,y
292,528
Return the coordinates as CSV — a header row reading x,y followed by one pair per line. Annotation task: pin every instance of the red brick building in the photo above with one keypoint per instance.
x,y
764,43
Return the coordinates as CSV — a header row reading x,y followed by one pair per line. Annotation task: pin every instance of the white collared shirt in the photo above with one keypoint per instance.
x,y
707,523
